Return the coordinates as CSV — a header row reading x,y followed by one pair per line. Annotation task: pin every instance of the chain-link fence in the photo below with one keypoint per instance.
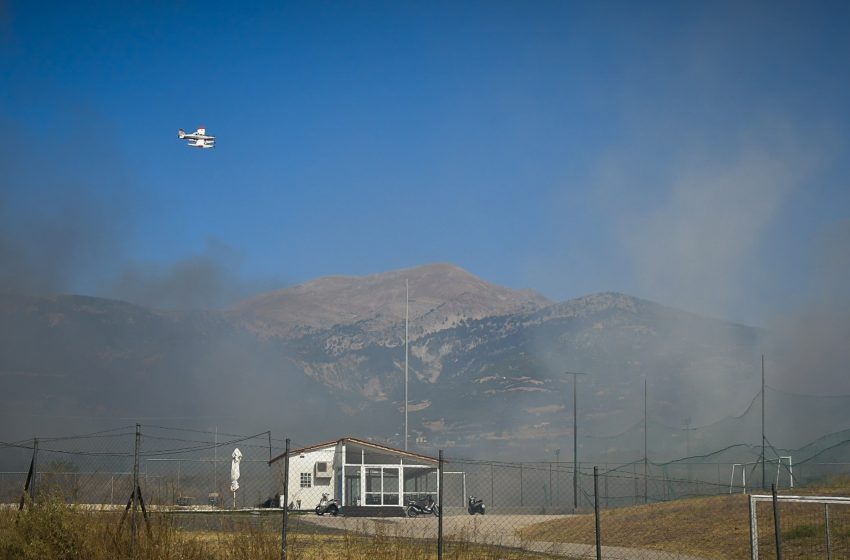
x,y
360,499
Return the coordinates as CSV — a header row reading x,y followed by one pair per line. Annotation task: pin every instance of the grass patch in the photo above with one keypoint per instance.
x,y
803,532
53,530
715,527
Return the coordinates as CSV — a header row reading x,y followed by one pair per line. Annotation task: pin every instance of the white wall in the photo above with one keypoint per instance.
x,y
305,463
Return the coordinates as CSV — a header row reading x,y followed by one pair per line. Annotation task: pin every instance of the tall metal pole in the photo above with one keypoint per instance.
x,y
406,338
285,518
134,528
596,512
440,511
575,446
575,438
645,457
763,456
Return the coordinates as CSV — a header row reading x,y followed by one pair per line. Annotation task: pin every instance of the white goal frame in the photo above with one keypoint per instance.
x,y
778,462
754,526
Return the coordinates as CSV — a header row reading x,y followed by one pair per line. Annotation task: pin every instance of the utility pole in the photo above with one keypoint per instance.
x,y
406,338
763,456
575,374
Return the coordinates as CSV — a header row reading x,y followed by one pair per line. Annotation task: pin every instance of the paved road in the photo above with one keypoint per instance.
x,y
500,530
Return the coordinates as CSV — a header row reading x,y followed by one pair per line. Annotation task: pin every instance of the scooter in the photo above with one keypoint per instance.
x,y
475,505
422,507
327,505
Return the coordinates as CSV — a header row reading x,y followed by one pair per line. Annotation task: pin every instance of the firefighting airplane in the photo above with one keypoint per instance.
x,y
197,139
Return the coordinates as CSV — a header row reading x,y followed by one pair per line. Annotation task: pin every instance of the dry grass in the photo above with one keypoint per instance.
x,y
715,527
52,530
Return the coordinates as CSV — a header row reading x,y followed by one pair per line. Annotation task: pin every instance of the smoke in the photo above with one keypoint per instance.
x,y
68,228
208,280
697,245
808,350
60,225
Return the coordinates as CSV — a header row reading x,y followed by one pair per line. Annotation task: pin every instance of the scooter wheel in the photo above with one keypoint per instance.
x,y
319,511
334,511
412,512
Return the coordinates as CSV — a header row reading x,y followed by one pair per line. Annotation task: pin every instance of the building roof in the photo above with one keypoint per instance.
x,y
357,441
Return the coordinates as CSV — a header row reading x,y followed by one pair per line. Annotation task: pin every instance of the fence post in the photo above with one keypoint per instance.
x,y
776,528
440,511
596,511
754,541
492,484
285,522
134,529
521,504
29,485
607,470
828,537
634,471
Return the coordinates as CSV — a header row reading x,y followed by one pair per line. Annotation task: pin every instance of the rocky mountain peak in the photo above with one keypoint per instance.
x,y
441,295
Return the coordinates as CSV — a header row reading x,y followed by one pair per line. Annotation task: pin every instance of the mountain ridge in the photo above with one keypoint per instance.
x,y
488,362
441,295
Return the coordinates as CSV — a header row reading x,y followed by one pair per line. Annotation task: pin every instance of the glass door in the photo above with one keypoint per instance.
x,y
390,491
373,486
352,486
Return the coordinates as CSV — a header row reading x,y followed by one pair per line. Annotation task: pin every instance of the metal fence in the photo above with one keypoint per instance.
x,y
487,509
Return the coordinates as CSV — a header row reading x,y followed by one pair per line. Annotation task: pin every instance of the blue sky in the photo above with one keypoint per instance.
x,y
693,153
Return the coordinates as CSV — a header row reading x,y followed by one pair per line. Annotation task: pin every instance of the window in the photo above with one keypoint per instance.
x,y
306,480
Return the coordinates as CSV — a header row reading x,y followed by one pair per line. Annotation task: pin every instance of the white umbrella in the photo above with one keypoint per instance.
x,y
234,473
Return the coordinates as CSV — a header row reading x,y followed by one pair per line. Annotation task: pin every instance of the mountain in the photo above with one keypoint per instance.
x,y
441,296
326,358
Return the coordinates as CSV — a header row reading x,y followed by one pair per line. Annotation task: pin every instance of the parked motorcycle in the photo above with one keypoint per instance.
x,y
422,507
475,505
327,505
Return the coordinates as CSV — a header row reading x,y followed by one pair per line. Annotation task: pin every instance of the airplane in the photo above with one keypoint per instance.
x,y
200,137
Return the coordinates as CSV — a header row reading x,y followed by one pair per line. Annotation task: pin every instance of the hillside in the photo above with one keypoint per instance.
x,y
486,364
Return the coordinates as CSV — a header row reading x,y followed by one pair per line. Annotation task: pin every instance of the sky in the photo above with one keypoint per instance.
x,y
692,153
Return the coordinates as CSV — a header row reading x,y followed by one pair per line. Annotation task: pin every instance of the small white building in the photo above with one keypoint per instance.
x,y
358,473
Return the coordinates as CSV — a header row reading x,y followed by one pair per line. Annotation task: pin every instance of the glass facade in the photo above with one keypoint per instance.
x,y
385,479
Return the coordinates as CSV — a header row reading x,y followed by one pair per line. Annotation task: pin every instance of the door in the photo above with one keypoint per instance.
x,y
352,486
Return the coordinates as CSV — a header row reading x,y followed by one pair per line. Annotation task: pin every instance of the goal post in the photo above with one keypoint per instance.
x,y
793,520
783,463
743,477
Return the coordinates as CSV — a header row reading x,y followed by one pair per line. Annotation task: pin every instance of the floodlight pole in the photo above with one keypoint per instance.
x,y
763,456
575,374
